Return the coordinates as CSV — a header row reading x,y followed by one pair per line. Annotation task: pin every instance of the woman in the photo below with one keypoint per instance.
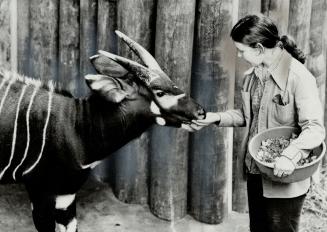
x,y
277,91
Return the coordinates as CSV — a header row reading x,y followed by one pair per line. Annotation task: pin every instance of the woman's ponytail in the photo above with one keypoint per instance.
x,y
292,49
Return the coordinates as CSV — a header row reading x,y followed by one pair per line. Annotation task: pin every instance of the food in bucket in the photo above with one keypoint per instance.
x,y
272,148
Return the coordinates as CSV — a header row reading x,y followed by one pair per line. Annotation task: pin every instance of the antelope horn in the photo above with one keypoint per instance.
x,y
141,52
140,71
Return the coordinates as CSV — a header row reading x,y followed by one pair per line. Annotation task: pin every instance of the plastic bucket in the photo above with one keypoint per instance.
x,y
266,169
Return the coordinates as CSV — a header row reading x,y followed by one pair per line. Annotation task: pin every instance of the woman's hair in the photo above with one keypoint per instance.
x,y
254,29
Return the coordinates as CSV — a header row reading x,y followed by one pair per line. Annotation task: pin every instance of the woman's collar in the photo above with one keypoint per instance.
x,y
279,69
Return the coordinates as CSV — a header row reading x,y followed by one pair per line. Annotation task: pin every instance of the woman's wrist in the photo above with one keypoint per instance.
x,y
292,153
218,118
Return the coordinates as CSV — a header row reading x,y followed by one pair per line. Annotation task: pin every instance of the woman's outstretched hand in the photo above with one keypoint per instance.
x,y
196,125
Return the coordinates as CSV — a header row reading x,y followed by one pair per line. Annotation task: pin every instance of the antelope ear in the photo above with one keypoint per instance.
x,y
106,86
106,66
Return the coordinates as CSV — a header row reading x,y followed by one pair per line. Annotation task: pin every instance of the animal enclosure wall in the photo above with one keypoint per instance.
x,y
171,170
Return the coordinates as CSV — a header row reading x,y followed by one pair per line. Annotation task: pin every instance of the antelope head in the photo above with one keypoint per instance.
x,y
168,104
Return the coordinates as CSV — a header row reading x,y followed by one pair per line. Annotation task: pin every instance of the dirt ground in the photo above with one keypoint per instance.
x,y
99,211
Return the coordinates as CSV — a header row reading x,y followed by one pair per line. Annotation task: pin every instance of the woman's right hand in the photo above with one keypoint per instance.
x,y
211,117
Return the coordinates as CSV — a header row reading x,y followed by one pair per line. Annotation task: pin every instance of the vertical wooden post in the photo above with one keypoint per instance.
x,y
299,23
13,35
239,185
5,38
107,24
137,19
324,161
88,32
169,147
68,67
278,10
23,35
130,183
316,61
43,53
107,41
212,86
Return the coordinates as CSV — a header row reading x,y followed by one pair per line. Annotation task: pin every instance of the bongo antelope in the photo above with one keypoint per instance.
x,y
49,141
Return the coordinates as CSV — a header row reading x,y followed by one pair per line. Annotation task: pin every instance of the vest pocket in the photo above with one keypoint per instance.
x,y
284,114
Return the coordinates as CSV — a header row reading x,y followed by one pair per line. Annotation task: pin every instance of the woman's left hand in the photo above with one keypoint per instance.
x,y
283,166
211,117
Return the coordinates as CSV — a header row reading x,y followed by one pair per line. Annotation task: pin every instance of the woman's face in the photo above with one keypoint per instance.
x,y
252,55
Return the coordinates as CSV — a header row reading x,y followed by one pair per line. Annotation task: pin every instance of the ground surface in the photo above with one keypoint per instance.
x,y
99,211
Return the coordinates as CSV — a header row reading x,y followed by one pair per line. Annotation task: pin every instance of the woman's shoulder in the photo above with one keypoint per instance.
x,y
301,78
299,71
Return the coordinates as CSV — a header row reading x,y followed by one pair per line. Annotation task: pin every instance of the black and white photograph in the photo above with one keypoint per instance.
x,y
163,115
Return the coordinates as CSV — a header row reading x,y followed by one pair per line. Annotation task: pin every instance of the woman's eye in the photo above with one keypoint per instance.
x,y
160,94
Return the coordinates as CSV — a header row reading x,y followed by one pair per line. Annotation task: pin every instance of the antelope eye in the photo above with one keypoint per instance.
x,y
160,94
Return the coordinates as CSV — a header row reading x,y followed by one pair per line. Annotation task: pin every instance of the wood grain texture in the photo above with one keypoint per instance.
x,y
239,185
107,41
169,147
299,23
107,24
43,35
88,35
316,61
277,10
135,19
68,67
23,36
324,161
5,45
213,74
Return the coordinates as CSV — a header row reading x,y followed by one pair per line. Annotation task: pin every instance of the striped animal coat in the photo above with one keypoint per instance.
x,y
49,140
42,128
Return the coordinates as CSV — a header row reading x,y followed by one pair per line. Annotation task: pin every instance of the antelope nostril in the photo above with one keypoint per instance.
x,y
201,112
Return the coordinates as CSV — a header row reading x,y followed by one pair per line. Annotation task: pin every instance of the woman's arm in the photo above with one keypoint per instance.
x,y
310,119
229,118
232,118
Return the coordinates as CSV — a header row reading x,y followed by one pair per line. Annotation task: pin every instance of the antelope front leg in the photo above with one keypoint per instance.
x,y
65,213
43,209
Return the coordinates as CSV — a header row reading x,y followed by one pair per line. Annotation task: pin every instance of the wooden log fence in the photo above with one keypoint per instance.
x,y
324,162
173,172
299,23
131,162
5,35
213,86
169,147
69,49
277,10
239,185
316,61
23,40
